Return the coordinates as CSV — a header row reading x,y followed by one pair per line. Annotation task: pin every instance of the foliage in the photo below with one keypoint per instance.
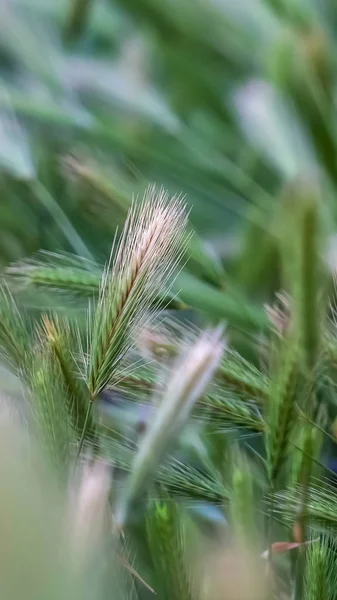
x,y
171,419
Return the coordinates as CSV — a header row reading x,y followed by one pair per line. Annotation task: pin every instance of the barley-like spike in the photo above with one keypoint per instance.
x,y
66,279
304,478
62,272
75,278
14,333
50,411
320,572
234,372
180,479
189,482
59,341
320,504
281,409
165,538
227,411
303,239
242,502
301,249
241,376
146,256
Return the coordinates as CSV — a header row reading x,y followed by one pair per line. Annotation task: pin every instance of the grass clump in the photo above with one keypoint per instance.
x,y
189,440
168,410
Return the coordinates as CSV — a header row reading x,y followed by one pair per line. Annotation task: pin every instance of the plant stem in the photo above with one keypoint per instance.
x,y
84,430
305,477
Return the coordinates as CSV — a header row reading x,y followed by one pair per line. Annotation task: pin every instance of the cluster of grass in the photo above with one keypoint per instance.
x,y
168,405
181,468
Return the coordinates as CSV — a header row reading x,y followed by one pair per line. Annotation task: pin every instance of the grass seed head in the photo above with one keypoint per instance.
x,y
149,250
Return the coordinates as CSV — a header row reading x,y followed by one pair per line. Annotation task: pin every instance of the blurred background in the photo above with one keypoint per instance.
x,y
228,103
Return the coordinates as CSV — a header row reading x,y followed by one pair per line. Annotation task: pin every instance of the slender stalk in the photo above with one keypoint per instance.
x,y
307,312
304,480
84,430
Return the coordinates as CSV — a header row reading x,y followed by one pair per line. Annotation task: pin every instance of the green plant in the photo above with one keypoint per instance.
x,y
168,420
186,424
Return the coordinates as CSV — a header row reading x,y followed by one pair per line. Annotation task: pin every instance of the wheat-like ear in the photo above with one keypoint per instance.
x,y
281,407
49,409
191,374
14,333
147,254
242,502
302,265
165,538
226,411
242,377
64,273
67,276
320,504
58,337
179,478
320,571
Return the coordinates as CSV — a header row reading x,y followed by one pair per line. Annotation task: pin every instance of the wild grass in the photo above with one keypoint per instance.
x,y
168,423
186,423
146,256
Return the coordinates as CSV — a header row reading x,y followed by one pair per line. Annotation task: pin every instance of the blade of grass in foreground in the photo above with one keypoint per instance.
x,y
193,371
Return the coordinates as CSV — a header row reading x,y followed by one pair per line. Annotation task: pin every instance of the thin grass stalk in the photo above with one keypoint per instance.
x,y
87,420
302,521
307,311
